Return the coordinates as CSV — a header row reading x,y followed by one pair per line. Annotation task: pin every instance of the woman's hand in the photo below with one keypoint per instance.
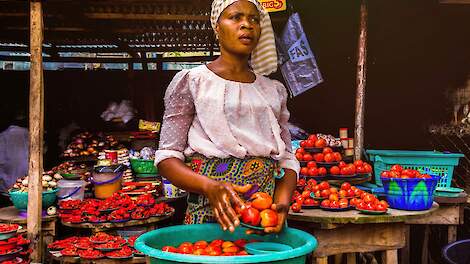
x,y
221,196
282,211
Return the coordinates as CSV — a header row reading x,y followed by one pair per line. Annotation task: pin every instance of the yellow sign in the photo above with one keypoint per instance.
x,y
274,5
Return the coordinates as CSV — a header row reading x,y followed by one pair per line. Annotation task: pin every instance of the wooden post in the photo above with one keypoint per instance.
x,y
36,130
361,83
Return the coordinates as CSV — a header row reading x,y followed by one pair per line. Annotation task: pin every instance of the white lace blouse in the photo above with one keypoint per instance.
x,y
215,117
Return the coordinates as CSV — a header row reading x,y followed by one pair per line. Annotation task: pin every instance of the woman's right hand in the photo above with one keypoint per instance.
x,y
221,197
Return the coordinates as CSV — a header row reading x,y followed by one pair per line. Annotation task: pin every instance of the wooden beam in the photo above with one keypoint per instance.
x,y
122,16
454,1
113,60
36,130
361,83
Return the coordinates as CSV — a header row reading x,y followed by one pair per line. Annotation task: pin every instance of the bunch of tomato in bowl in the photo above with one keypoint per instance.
x,y
351,169
397,171
216,247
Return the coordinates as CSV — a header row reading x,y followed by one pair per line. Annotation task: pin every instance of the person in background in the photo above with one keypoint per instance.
x,y
14,149
230,122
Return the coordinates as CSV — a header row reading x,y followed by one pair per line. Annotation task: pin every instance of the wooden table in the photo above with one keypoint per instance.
x,y
351,232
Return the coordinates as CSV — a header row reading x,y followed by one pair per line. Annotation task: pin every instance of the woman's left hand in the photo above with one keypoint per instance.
x,y
282,211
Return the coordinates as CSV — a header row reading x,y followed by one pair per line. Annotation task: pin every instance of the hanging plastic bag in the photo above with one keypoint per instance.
x,y
298,65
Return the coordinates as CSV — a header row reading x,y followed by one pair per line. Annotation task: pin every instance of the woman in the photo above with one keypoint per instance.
x,y
229,121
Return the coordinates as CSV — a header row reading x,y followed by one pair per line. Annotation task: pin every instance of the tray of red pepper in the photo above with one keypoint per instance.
x,y
124,253
109,246
101,238
140,213
9,252
8,230
119,216
83,245
69,252
11,243
145,200
14,261
90,254
131,240
70,204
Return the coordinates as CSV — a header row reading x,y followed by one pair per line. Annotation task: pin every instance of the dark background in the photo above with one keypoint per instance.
x,y
417,50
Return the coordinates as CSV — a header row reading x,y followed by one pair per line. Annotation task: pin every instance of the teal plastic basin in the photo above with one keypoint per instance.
x,y
150,243
20,199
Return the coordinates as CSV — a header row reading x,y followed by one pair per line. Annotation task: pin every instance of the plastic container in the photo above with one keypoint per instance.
x,y
410,194
431,162
457,252
151,242
71,190
107,180
142,166
20,199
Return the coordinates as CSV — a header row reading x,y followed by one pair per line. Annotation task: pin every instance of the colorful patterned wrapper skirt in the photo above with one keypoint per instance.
x,y
251,170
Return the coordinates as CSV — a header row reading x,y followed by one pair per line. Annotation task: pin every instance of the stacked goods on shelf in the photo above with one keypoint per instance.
x,y
112,157
310,194
87,144
13,247
70,170
118,208
97,246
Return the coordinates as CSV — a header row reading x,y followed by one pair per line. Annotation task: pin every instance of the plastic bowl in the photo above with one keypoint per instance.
x,y
141,166
410,194
20,199
151,242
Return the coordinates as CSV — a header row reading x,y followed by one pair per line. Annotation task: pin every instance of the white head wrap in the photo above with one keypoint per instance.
x,y
264,56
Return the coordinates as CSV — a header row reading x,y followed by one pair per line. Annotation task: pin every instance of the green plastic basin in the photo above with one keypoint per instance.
x,y
20,199
150,243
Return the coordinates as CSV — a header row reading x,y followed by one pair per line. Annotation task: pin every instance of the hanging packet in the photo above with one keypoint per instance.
x,y
298,65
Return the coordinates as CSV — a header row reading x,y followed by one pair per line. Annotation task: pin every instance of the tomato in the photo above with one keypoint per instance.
x,y
337,156
251,216
300,150
325,193
269,218
343,193
343,203
334,170
303,143
312,182
319,157
322,171
311,164
370,207
345,186
310,144
318,193
313,172
327,150
361,205
333,197
367,168
306,194
384,203
227,244
296,207
333,190
344,171
216,243
320,143
299,156
394,174
351,168
213,250
312,137
369,198
360,169
329,157
358,163
351,193
185,249
307,157
199,251
396,167
380,207
325,203
304,171
324,185
334,204
342,164
384,174
309,201
261,200
200,244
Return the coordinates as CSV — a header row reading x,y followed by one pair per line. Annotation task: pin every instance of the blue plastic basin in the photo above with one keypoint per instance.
x,y
150,243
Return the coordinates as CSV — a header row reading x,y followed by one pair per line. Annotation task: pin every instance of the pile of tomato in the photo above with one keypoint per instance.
x,y
96,246
357,167
397,171
313,194
216,247
258,212
118,208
